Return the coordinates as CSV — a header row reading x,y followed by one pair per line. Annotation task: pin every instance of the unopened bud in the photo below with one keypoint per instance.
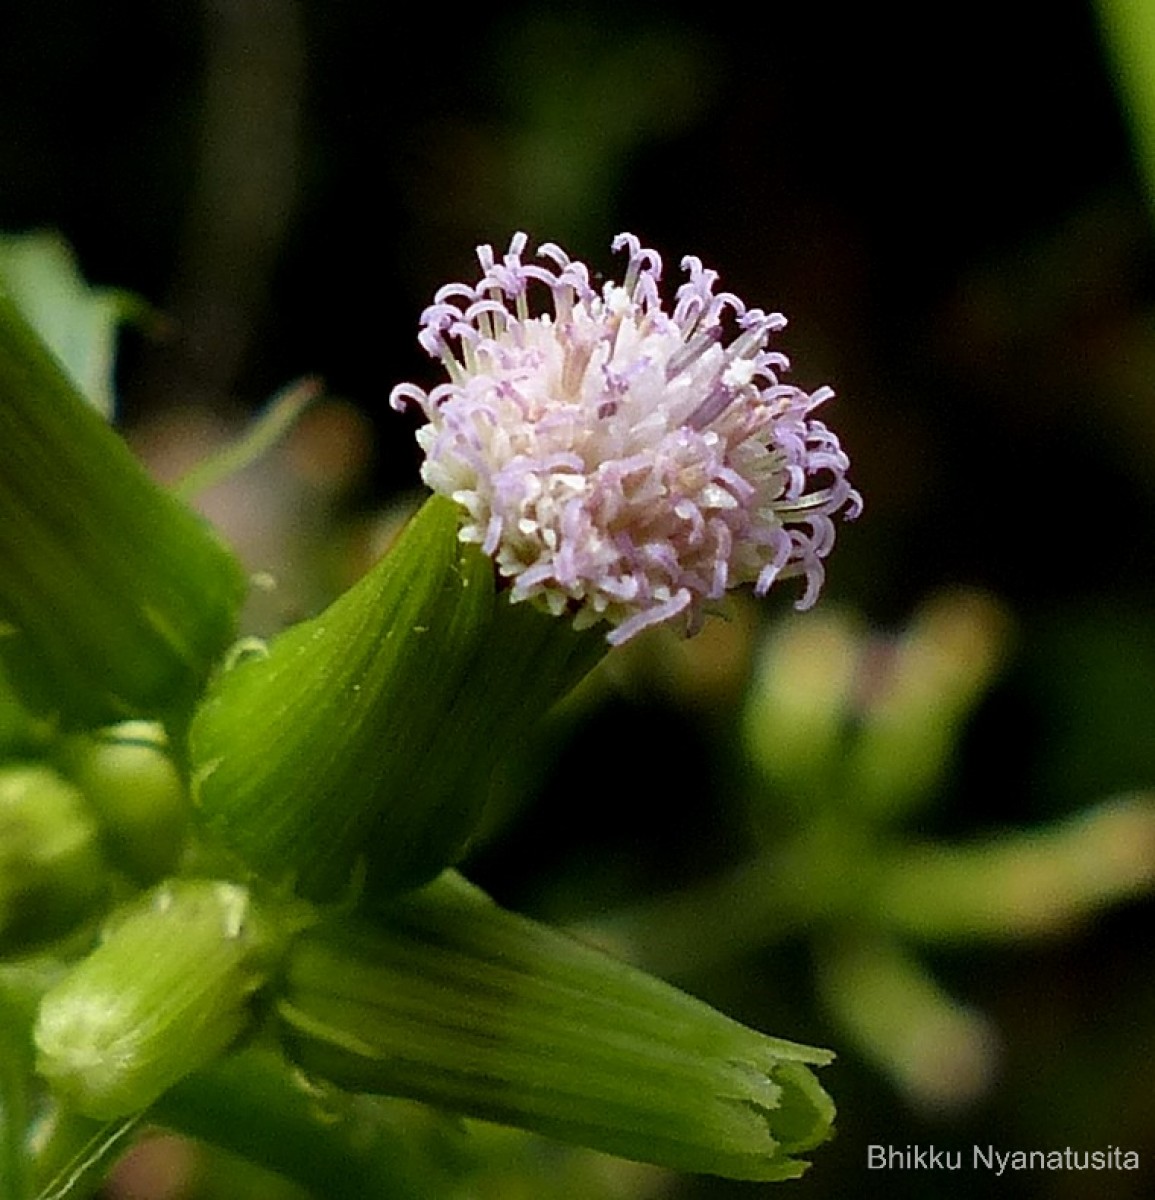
x,y
461,1004
135,789
52,872
168,990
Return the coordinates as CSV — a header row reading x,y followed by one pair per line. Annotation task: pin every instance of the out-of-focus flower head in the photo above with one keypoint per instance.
x,y
619,462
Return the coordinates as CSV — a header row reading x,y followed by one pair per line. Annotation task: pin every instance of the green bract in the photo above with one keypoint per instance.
x,y
456,1002
365,738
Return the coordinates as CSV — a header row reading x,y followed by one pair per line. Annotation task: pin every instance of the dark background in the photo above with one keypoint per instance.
x,y
946,207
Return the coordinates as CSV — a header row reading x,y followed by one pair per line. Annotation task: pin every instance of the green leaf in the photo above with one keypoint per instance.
x,y
1129,34
21,734
115,599
77,322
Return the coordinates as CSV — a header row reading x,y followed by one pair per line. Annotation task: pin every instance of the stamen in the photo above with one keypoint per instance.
x,y
693,350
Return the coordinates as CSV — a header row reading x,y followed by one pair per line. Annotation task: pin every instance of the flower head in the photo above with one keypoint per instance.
x,y
617,461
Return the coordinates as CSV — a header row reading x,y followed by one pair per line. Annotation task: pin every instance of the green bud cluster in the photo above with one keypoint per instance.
x,y
83,818
52,870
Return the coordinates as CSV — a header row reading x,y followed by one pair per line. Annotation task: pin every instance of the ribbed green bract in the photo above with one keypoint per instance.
x,y
115,600
454,1001
363,743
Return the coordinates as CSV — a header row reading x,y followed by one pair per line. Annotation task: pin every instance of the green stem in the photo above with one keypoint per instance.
x,y
15,1075
281,414
75,1153
255,1105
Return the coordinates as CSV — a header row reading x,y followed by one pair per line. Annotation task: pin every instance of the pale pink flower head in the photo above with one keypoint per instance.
x,y
619,462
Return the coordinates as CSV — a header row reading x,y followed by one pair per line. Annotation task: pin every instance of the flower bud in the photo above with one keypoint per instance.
x,y
133,786
166,992
800,698
52,872
366,736
114,598
21,733
458,1003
